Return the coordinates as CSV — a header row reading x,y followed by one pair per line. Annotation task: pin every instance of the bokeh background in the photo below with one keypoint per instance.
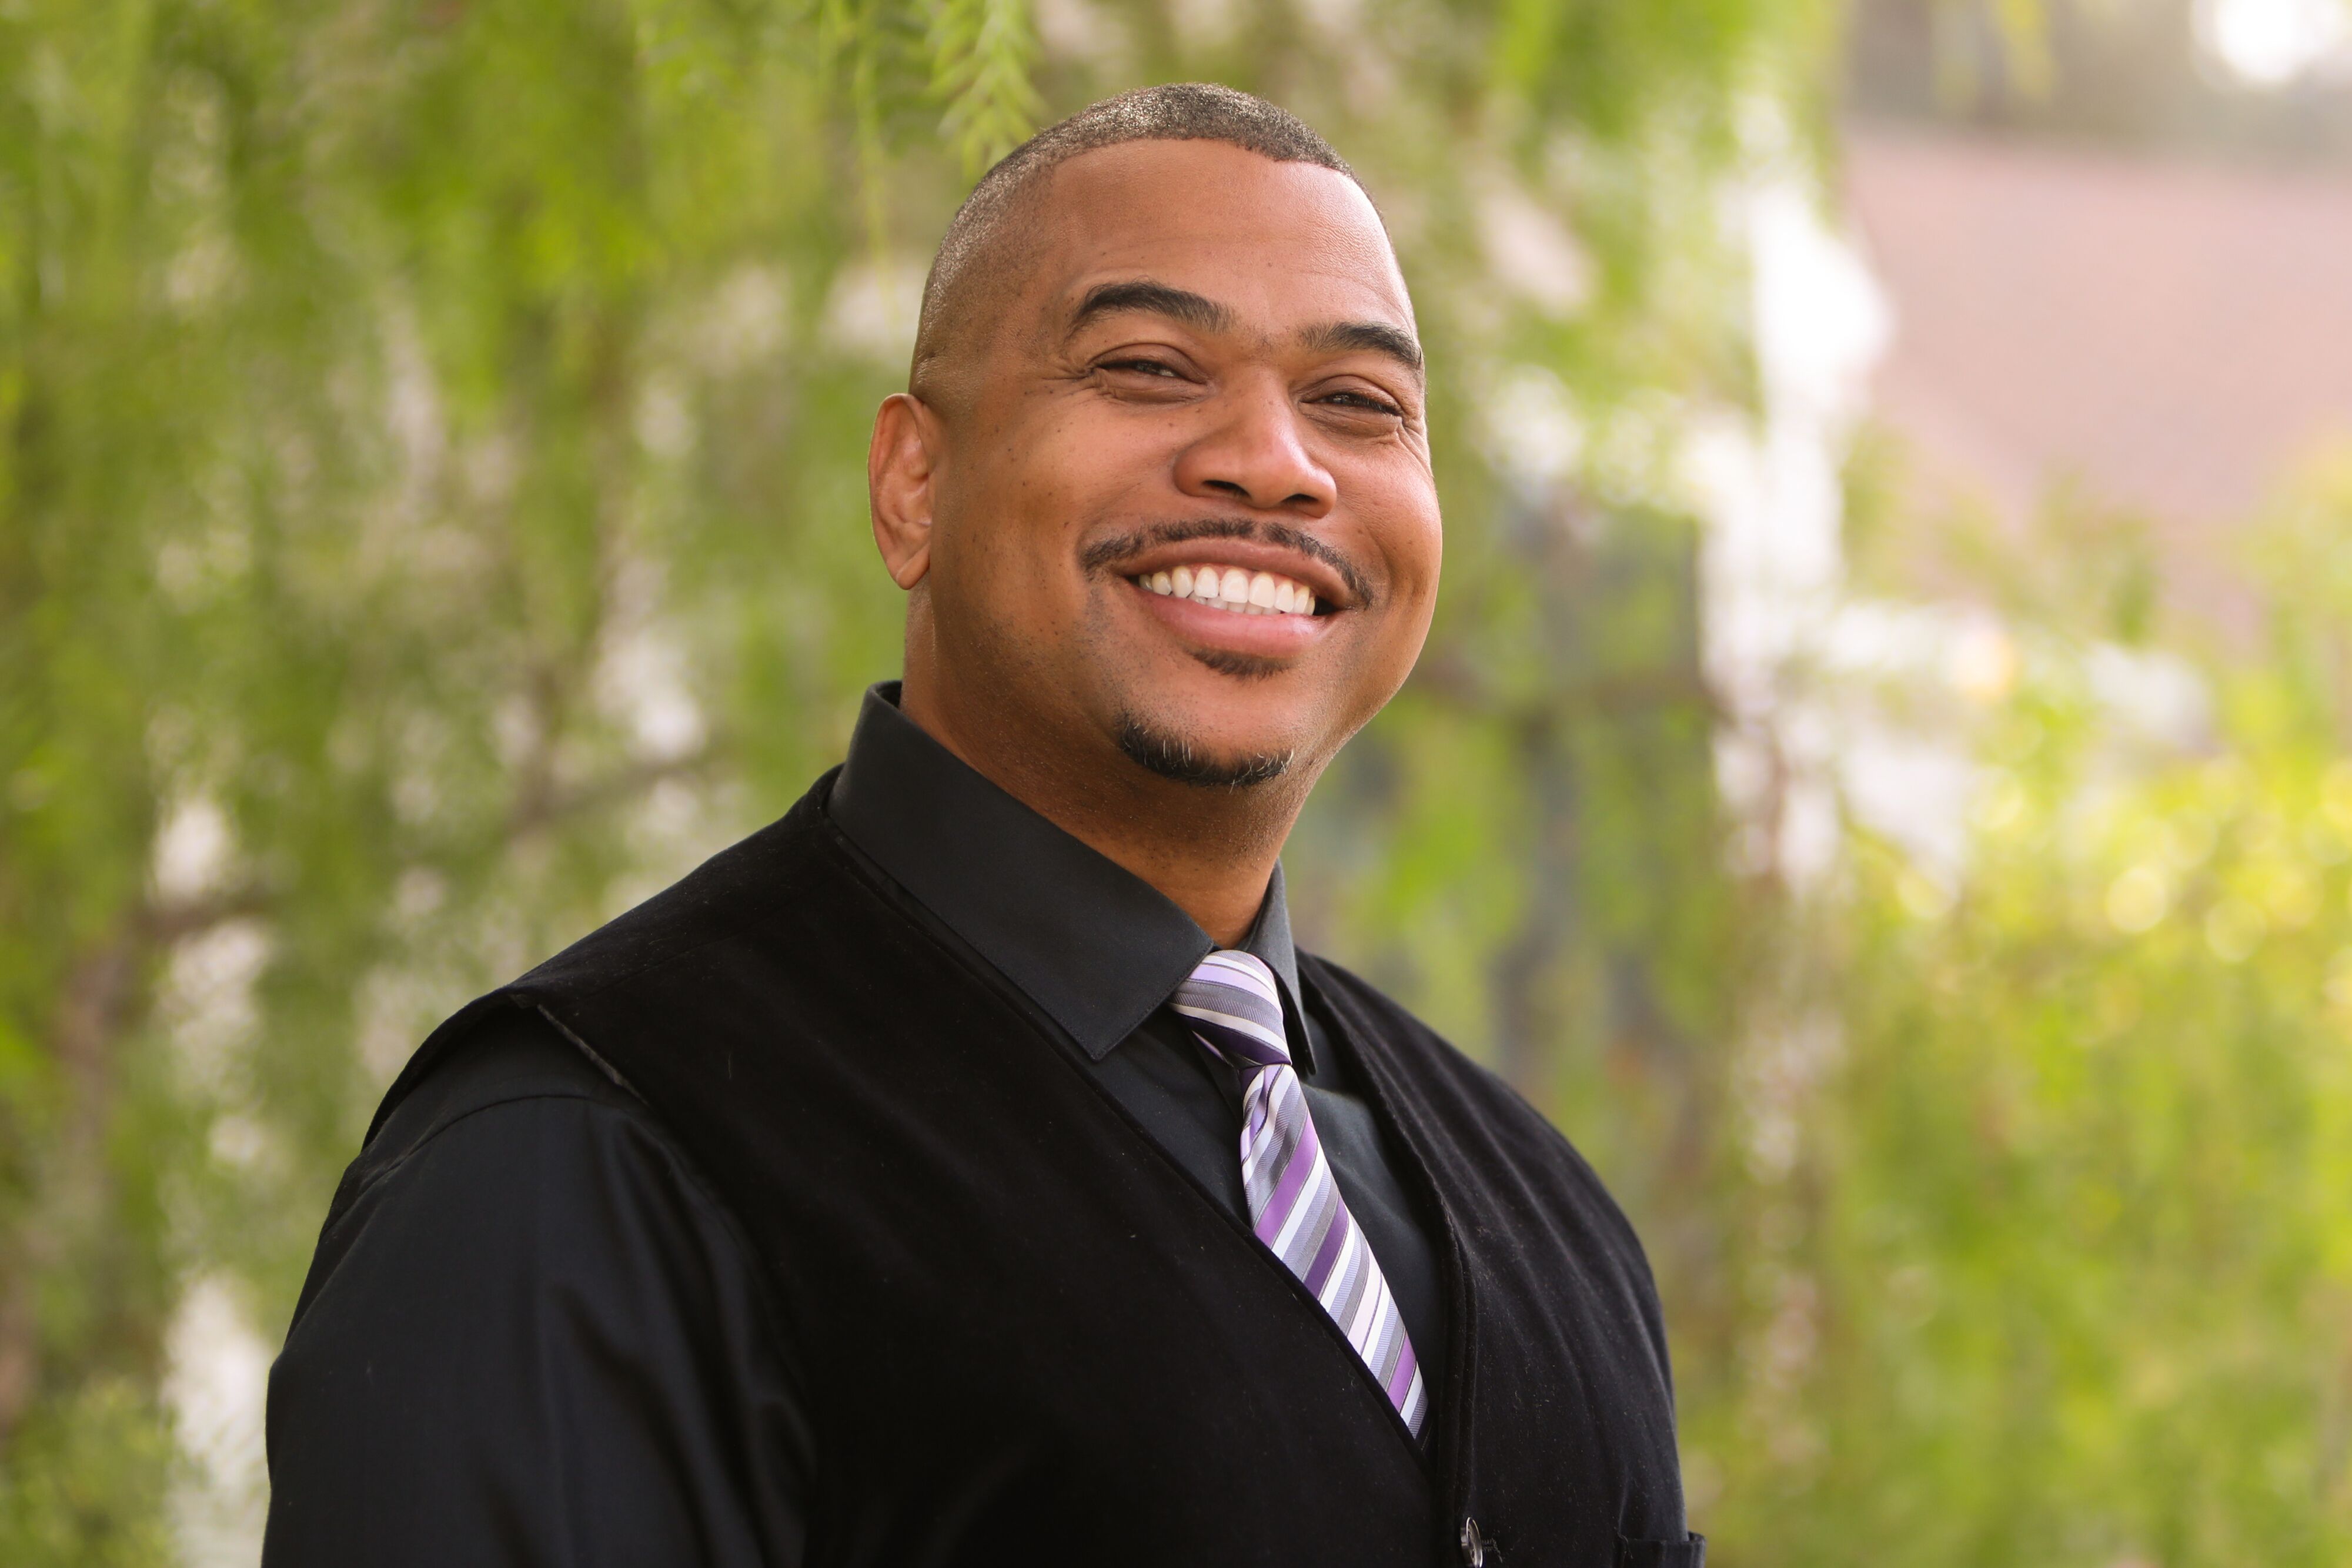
x,y
1879,781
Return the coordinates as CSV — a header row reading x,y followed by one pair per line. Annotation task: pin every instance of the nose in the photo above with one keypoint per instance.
x,y
1252,453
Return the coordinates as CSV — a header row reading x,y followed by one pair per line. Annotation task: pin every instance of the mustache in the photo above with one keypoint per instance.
x,y
1106,555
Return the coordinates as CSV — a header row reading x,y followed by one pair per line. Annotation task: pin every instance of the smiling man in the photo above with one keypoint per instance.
x,y
968,1168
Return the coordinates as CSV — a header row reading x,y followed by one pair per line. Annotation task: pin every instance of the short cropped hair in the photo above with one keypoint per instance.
x,y
1179,112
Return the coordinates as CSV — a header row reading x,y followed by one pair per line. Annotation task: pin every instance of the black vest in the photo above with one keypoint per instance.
x,y
1029,1337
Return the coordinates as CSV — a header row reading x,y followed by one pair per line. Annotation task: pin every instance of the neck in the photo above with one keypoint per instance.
x,y
1210,850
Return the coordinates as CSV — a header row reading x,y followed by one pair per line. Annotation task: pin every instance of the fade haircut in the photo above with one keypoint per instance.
x,y
969,269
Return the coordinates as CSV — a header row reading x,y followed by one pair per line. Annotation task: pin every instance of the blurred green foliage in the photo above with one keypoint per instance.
x,y
431,515
2051,1213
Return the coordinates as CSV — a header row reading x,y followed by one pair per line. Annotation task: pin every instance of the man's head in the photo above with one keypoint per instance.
x,y
1165,346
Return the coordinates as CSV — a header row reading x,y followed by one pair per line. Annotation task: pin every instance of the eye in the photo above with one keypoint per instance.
x,y
1143,367
1368,403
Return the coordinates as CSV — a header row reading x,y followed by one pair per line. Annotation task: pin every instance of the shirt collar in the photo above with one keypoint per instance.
x,y
1094,945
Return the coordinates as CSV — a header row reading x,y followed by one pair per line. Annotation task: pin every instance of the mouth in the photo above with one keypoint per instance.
x,y
1247,599
1234,590
1238,621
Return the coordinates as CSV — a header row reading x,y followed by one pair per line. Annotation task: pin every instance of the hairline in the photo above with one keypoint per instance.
x,y
981,223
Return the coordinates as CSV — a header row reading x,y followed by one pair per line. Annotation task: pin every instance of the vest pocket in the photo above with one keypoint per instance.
x,y
1690,1553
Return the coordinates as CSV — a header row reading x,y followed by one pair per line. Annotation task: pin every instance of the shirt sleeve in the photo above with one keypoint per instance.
x,y
532,1336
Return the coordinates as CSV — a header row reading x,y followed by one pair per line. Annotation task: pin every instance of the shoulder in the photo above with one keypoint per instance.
x,y
503,1056
515,1160
792,868
523,1292
775,872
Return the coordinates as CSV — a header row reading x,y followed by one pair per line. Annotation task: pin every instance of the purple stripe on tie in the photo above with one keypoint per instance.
x,y
1246,973
1325,1214
1236,1046
1415,1406
1408,1367
1356,1273
1365,1308
1327,1254
1308,1213
1392,1338
1216,1013
1287,1188
1235,1009
1371,1308
1267,1148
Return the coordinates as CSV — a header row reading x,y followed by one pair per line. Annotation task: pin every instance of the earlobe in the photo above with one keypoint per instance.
x,y
898,474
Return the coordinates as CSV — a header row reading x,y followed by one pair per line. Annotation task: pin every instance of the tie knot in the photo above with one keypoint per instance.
x,y
1232,1001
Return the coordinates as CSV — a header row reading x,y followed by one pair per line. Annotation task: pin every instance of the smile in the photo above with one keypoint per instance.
x,y
1232,590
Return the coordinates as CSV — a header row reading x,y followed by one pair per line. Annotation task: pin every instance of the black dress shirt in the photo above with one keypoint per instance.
x,y
536,1327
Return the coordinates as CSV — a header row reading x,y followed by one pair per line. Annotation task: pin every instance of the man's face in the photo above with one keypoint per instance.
x,y
1187,508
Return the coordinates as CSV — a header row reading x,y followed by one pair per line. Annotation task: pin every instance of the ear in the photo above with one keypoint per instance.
x,y
899,468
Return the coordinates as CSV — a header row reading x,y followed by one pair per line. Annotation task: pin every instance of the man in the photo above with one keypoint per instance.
x,y
967,1168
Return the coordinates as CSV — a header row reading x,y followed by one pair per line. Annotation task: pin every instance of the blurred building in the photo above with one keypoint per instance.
x,y
2165,335
2115,252
2106,274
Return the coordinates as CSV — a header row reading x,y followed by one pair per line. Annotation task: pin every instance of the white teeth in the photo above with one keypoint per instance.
x,y
1232,589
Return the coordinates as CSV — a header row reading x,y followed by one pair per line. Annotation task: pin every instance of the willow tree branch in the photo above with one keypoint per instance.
x,y
539,810
97,997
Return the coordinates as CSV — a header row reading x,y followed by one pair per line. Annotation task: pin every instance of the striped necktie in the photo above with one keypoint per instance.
x,y
1295,1205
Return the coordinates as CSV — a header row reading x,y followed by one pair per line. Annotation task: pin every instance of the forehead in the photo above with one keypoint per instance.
x,y
1278,244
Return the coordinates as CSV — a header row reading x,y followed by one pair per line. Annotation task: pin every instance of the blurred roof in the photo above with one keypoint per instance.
x,y
2170,336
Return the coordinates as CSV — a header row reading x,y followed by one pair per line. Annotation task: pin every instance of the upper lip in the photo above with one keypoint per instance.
x,y
1251,555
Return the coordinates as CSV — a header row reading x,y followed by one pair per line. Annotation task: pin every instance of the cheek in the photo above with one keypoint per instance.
x,y
1403,526
1081,459
1026,491
1425,547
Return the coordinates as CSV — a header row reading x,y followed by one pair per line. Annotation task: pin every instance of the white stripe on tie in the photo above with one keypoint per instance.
x,y
1235,1009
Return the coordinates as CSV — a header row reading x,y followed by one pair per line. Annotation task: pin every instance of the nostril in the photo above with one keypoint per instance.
x,y
1227,487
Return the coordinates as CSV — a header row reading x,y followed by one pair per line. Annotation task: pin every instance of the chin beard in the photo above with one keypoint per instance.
x,y
1171,757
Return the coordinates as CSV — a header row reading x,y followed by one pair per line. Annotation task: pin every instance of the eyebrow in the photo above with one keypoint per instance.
x,y
1155,299
1375,337
1199,311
